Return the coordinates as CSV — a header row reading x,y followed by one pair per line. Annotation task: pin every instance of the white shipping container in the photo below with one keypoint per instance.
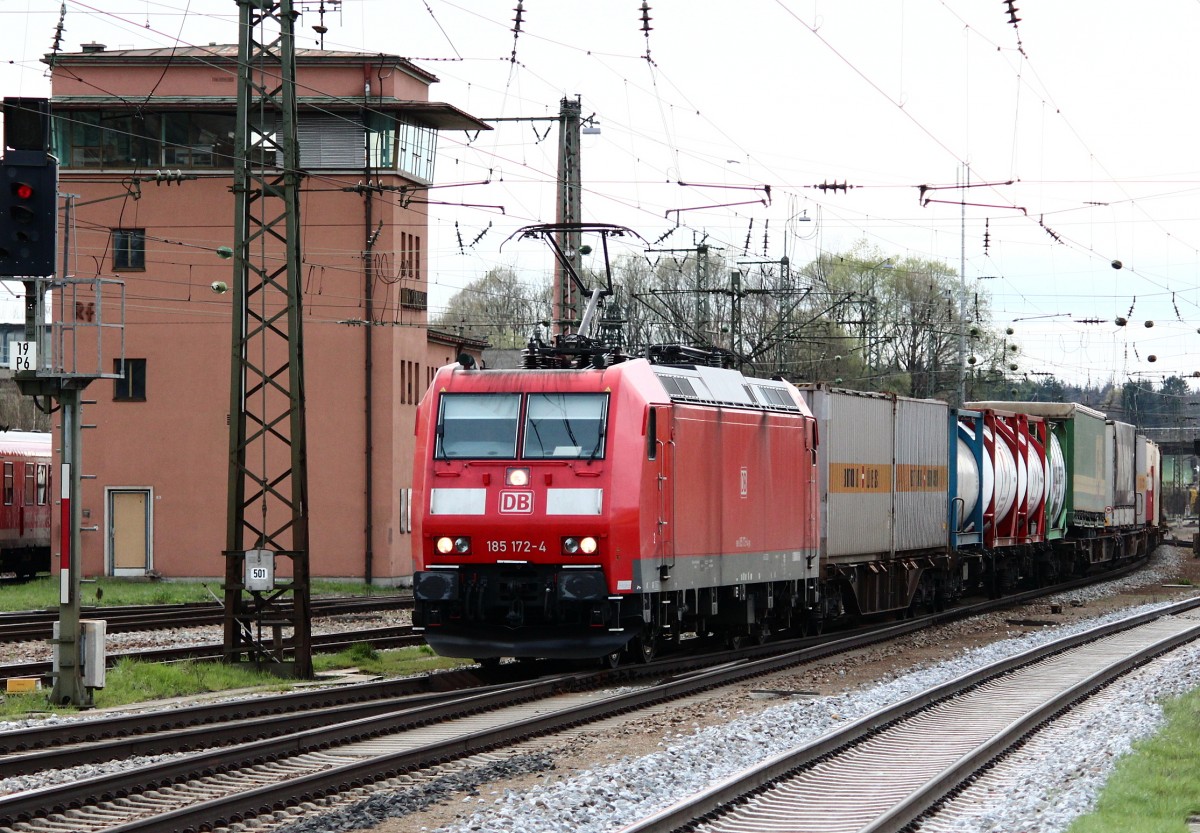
x,y
1120,478
921,474
885,458
1142,461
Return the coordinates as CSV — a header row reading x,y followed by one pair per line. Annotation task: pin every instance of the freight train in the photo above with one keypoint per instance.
x,y
588,512
592,504
25,509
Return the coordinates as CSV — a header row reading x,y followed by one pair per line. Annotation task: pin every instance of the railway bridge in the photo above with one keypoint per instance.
x,y
1181,461
1178,442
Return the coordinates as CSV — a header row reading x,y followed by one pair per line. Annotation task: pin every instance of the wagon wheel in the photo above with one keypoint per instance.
x,y
646,647
762,633
611,660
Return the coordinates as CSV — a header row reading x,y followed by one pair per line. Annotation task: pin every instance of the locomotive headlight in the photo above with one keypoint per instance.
x,y
516,477
447,545
576,546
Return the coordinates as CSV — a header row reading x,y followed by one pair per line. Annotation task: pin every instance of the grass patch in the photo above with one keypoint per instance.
x,y
132,681
396,662
109,591
1156,787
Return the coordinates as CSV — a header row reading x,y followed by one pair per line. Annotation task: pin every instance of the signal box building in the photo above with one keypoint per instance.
x,y
145,140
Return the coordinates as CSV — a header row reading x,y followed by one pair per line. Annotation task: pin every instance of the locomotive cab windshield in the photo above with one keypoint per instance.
x,y
557,426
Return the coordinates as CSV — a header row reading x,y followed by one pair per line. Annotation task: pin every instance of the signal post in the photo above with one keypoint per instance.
x,y
45,365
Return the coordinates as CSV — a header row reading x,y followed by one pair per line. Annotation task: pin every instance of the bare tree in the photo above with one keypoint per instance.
x,y
17,412
859,319
499,307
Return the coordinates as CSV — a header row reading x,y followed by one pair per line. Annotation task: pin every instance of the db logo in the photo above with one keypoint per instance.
x,y
516,503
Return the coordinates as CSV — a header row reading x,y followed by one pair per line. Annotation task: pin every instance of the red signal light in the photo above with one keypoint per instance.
x,y
23,190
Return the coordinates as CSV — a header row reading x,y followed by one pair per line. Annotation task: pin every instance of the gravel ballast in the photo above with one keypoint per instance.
x,y
1041,789
1051,780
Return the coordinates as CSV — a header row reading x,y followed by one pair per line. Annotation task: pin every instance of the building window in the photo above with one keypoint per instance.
x,y
394,144
175,139
129,249
131,387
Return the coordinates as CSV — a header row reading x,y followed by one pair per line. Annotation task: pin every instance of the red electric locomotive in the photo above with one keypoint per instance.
x,y
578,512
25,505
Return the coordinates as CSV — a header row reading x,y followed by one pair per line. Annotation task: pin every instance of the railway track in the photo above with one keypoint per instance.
x,y
355,749
888,769
400,637
380,638
31,625
794,651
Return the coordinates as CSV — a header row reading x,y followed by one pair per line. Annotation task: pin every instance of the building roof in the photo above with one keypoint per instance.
x,y
98,53
436,114
465,342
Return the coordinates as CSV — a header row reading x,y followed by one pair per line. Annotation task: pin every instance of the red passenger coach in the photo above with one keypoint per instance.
x,y
25,503
575,513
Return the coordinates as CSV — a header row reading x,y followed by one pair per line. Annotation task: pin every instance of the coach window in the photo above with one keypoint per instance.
x,y
131,386
478,425
43,478
8,484
29,470
565,425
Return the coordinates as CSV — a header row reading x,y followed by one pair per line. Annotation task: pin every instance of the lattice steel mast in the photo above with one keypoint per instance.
x,y
268,477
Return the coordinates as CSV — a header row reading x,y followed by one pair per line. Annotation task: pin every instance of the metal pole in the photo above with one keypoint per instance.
x,y
962,300
566,297
68,684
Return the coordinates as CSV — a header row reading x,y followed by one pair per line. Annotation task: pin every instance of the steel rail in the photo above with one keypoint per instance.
x,y
98,733
709,803
31,625
381,638
287,792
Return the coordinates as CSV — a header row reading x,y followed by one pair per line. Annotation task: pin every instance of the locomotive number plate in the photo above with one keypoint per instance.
x,y
517,546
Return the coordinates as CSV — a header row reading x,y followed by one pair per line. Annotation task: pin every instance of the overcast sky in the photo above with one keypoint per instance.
x,y
1085,106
